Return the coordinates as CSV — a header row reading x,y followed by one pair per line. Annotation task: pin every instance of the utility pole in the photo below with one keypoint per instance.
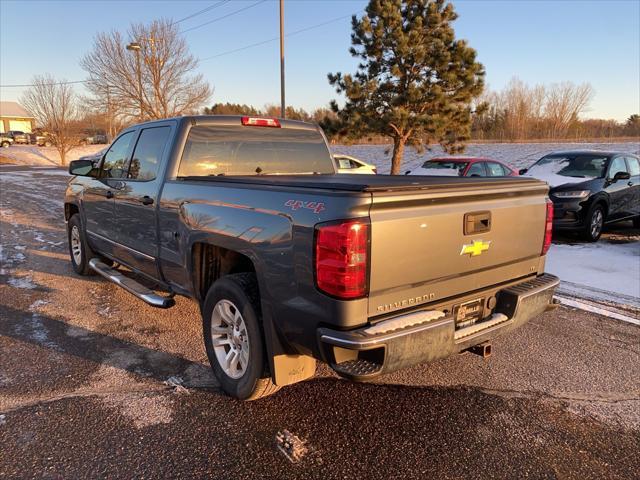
x,y
135,47
109,119
282,102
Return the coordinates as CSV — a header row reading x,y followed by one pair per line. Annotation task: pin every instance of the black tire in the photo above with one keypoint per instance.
x,y
594,223
636,222
79,262
241,290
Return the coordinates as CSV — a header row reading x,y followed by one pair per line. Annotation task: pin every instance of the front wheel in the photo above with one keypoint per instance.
x,y
593,223
5,144
233,337
79,249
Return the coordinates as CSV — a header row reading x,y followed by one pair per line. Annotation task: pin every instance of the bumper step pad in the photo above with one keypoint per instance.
x,y
357,368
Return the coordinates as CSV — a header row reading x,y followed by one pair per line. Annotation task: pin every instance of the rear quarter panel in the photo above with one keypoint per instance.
x,y
274,227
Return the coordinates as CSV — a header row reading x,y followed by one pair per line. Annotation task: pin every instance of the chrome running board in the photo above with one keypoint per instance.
x,y
143,293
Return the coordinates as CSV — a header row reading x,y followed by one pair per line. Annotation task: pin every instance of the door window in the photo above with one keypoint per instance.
x,y
116,157
476,170
495,169
618,165
148,153
634,166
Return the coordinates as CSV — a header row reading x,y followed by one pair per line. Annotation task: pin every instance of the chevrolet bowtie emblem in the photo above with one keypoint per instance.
x,y
476,248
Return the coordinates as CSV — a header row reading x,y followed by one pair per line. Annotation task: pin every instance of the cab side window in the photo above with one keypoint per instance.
x,y
634,166
115,160
617,165
147,155
476,170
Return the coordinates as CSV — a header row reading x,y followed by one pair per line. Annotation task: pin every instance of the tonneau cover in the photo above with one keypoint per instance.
x,y
370,183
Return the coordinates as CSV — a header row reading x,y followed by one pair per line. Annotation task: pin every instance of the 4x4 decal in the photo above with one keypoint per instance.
x,y
317,207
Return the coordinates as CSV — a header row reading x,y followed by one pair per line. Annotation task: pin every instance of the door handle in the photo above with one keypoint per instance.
x,y
109,194
147,200
477,222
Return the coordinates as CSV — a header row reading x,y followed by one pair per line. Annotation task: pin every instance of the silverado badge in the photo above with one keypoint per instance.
x,y
476,248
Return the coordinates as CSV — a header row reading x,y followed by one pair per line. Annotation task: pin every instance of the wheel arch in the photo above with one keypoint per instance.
x,y
70,209
210,261
603,200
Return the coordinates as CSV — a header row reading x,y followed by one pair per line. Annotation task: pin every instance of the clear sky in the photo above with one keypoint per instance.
x,y
538,41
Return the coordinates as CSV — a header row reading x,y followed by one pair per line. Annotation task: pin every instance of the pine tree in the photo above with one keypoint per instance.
x,y
415,82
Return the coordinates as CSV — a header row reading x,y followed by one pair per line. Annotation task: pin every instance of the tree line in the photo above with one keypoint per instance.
x,y
543,112
415,85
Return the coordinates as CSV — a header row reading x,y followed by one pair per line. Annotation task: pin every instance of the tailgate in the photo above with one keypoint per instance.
x,y
422,252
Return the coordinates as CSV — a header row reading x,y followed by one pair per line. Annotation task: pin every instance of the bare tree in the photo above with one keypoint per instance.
x,y
565,102
523,108
54,105
169,85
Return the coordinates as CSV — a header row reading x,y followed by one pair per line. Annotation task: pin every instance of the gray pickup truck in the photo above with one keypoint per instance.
x,y
292,263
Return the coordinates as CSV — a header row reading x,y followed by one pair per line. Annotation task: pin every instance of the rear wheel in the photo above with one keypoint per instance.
x,y
233,337
79,250
593,223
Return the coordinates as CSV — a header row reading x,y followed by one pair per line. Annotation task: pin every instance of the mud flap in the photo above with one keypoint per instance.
x,y
288,369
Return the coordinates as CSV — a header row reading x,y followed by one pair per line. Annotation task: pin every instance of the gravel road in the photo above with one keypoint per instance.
x,y
88,381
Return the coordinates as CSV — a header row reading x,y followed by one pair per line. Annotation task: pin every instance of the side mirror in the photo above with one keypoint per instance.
x,y
522,171
83,168
621,176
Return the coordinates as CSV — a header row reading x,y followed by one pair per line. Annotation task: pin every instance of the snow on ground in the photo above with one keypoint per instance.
x,y
516,155
603,266
34,155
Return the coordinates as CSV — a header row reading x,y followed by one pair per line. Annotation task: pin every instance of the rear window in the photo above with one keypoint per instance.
x,y
229,150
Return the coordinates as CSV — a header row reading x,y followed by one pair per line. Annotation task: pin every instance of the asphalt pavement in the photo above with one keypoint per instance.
x,y
94,384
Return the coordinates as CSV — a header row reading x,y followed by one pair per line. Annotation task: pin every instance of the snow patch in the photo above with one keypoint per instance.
x,y
292,446
22,282
587,307
515,155
177,384
615,267
45,156
549,173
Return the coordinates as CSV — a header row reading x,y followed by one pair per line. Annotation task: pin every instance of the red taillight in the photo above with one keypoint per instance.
x,y
341,258
548,228
260,122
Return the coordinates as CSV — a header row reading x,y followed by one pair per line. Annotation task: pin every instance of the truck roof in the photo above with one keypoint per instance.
x,y
231,120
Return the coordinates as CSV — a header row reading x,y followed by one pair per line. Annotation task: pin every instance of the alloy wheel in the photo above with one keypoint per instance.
x,y
76,245
597,221
230,339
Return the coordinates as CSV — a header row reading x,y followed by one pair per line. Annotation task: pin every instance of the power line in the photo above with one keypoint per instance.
x,y
224,16
228,52
45,84
200,12
290,34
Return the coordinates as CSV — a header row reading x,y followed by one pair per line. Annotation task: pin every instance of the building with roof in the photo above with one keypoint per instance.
x,y
14,117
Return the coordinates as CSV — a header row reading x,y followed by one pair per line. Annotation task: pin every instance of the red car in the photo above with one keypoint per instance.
x,y
464,167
